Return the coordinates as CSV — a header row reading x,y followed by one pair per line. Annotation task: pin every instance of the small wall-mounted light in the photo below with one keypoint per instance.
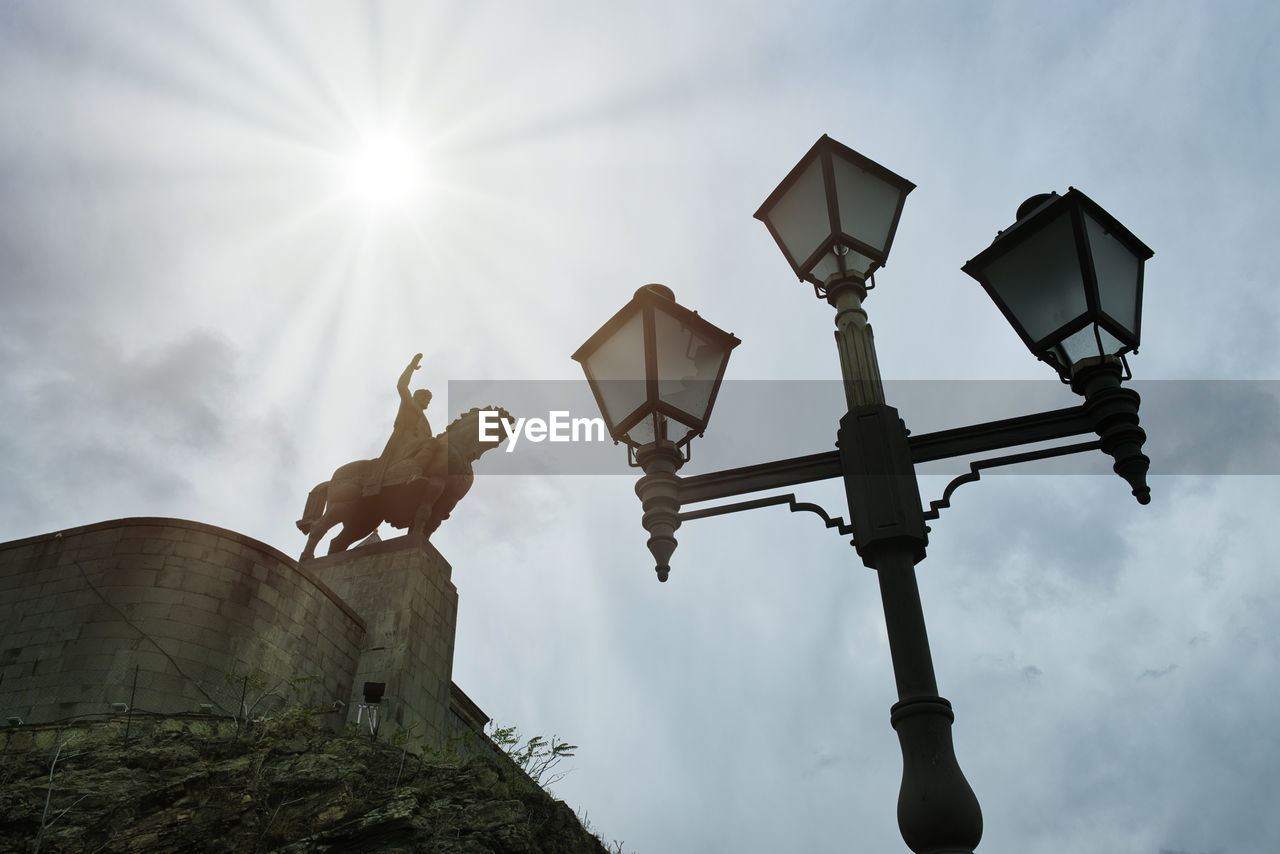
x,y
206,708
367,712
120,708
14,721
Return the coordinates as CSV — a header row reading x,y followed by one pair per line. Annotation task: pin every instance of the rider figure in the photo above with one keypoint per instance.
x,y
411,437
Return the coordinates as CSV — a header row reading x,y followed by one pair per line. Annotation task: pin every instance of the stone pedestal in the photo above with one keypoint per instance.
x,y
401,589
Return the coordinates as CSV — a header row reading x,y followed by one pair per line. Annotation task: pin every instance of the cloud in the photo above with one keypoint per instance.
x,y
93,419
1157,673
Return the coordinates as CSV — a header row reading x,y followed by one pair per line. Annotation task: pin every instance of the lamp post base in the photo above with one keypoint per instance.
x,y
937,810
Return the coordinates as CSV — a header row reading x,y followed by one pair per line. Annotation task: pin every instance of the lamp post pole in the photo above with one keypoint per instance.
x,y
937,810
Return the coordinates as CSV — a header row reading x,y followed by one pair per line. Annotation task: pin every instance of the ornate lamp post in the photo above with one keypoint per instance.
x,y
1069,278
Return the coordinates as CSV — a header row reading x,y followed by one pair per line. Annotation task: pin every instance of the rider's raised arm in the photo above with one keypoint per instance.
x,y
403,385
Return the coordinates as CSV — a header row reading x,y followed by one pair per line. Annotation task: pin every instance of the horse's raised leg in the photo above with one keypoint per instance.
x,y
314,509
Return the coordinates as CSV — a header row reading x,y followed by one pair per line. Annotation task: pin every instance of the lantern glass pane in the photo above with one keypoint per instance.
x,y
689,362
800,216
1084,345
616,370
1118,272
647,428
1039,280
829,264
866,203
643,433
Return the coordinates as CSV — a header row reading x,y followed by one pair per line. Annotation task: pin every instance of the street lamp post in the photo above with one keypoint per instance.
x,y
1067,275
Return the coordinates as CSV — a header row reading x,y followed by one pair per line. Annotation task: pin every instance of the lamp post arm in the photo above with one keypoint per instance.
x,y
1006,433
960,441
978,466
771,501
774,475
1109,410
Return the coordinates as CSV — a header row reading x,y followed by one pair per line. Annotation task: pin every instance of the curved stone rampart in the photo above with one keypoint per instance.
x,y
165,615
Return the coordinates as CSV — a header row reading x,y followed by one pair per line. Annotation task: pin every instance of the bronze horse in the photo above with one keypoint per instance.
x,y
418,496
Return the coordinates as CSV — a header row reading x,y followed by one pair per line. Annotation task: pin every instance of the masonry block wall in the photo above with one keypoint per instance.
x,y
403,591
171,616
167,616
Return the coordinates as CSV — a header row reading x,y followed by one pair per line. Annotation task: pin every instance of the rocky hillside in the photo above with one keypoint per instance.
x,y
195,784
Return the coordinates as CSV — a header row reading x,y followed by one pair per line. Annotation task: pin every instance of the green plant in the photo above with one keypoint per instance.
x,y
537,757
255,689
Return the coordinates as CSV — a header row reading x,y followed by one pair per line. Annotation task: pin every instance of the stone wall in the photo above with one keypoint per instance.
x,y
165,615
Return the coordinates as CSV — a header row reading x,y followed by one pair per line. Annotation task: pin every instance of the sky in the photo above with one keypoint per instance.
x,y
205,311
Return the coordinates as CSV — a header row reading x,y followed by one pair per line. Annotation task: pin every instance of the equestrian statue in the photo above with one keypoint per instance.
x,y
414,484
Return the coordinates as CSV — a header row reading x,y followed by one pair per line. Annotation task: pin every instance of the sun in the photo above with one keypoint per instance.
x,y
385,173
